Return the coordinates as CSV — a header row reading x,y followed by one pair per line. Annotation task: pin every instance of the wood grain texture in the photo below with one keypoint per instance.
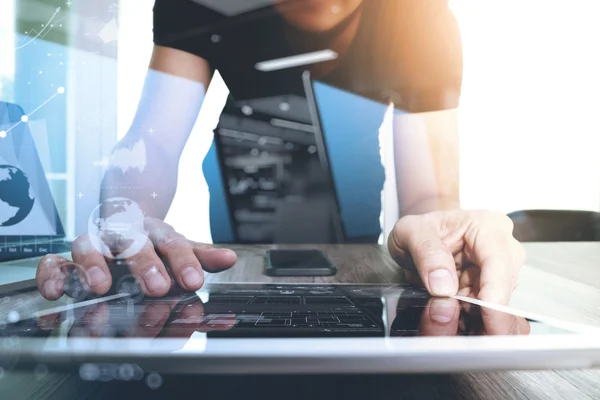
x,y
355,263
559,280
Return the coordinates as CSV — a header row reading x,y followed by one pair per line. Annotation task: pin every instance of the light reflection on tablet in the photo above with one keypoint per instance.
x,y
272,311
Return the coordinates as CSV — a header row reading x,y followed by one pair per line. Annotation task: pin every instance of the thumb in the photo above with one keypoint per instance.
x,y
433,260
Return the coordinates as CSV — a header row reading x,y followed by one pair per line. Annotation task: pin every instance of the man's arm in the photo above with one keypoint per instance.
x,y
426,155
143,166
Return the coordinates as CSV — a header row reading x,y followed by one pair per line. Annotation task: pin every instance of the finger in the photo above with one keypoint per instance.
x,y
152,321
499,257
96,320
54,275
149,271
177,251
49,276
94,264
49,321
440,317
501,323
205,322
187,318
213,259
468,281
432,258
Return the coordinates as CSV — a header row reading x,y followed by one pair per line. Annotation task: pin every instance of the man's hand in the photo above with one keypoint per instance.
x,y
471,253
147,320
165,256
449,317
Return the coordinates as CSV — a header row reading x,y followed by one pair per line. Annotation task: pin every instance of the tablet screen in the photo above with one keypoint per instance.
x,y
272,311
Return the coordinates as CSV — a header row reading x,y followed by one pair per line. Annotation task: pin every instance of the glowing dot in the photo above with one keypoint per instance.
x,y
215,38
89,372
24,118
49,54
60,63
60,25
138,372
312,149
247,110
283,106
262,141
154,381
41,72
13,317
60,90
42,24
2,134
126,372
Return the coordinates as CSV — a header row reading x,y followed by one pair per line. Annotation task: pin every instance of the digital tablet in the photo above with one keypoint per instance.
x,y
286,328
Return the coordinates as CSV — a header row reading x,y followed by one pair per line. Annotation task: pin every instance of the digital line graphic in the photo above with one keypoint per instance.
x,y
25,118
47,27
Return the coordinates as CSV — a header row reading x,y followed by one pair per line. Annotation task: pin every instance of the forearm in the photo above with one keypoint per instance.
x,y
427,162
143,165
150,178
429,204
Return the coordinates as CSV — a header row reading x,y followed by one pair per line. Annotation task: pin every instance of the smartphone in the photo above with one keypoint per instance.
x,y
298,263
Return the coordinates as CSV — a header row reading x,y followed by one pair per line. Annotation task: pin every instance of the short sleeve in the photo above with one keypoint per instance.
x,y
423,57
185,25
433,71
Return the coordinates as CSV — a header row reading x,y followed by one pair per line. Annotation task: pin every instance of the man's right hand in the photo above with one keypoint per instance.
x,y
166,256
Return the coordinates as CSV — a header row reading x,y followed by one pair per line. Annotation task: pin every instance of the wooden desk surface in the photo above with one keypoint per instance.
x,y
560,280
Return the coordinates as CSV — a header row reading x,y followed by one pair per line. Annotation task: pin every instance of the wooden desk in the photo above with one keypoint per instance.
x,y
560,280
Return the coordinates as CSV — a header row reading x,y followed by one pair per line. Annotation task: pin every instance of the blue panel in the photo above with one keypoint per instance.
x,y
220,223
351,128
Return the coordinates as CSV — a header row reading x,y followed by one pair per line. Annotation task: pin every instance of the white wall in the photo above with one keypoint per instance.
x,y
529,116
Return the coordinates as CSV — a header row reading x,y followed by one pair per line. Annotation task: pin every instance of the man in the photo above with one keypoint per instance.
x,y
401,52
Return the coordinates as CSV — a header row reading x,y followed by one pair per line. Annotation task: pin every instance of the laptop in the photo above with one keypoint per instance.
x,y
29,222
274,328
348,132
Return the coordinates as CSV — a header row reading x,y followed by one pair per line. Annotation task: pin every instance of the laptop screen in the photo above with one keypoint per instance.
x,y
27,208
350,125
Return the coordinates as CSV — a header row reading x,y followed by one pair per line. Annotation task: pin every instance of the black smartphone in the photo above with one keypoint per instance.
x,y
298,263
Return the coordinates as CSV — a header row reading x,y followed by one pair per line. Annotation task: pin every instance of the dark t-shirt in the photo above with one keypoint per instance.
x,y
405,51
